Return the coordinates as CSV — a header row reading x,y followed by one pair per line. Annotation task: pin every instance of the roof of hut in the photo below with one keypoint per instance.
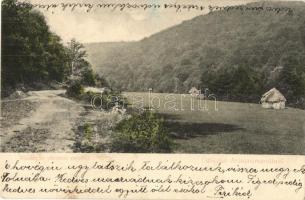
x,y
273,95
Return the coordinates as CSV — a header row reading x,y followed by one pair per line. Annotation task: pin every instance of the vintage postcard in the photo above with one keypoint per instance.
x,y
143,99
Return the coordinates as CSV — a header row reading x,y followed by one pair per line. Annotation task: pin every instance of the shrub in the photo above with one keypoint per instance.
x,y
88,132
75,90
88,78
84,139
142,133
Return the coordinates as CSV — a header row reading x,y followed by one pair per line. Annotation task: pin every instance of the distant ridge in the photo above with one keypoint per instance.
x,y
182,56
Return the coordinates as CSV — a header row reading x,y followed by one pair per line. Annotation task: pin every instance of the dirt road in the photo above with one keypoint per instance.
x,y
46,128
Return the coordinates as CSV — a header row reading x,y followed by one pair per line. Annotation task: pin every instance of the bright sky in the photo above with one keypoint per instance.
x,y
104,25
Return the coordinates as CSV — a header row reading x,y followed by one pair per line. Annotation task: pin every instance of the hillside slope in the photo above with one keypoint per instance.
x,y
214,51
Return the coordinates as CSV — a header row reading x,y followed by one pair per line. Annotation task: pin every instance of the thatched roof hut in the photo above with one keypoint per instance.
x,y
273,99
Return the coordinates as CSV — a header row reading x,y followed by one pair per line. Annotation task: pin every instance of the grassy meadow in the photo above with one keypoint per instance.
x,y
227,128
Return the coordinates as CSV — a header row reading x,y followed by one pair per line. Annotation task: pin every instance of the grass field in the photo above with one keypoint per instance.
x,y
231,128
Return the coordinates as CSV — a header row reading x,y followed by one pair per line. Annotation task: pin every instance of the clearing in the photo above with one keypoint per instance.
x,y
234,128
46,121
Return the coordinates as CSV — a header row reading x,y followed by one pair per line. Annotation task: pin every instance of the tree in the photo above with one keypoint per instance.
x,y
80,68
292,77
31,53
245,81
57,60
89,77
77,56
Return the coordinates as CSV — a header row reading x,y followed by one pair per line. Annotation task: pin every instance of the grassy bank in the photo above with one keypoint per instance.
x,y
231,128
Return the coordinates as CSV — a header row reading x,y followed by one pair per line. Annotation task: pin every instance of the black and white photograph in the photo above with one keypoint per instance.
x,y
153,76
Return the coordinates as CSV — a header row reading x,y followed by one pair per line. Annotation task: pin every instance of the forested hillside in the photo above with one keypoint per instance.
x,y
33,57
238,55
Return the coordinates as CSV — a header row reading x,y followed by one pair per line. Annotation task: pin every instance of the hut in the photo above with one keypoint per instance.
x,y
194,92
273,99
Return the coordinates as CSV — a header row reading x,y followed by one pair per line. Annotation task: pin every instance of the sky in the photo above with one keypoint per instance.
x,y
106,25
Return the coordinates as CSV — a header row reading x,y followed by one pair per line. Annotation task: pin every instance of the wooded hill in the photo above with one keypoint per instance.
x,y
33,57
238,55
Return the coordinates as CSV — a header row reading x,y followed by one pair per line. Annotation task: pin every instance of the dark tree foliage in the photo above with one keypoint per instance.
x,y
77,54
240,57
75,89
292,77
31,53
79,68
240,83
143,132
89,78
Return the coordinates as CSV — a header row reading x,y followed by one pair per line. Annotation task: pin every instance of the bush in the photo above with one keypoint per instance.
x,y
75,90
88,132
84,139
88,78
142,133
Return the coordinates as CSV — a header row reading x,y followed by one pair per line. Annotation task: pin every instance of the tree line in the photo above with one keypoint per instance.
x,y
32,54
239,58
